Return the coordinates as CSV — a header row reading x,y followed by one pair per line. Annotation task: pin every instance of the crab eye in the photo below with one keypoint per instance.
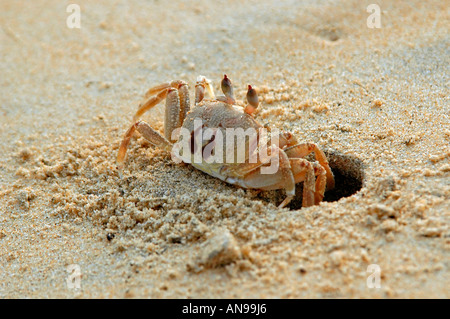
x,y
252,97
288,135
253,101
227,88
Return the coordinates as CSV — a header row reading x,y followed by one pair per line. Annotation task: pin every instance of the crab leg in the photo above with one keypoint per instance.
x,y
185,103
176,94
148,133
303,171
161,92
304,149
172,113
321,182
156,89
151,102
300,168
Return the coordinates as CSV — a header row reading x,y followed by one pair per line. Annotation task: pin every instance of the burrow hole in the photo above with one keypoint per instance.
x,y
348,174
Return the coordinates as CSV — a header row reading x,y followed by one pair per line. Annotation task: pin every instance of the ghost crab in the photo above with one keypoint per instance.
x,y
222,112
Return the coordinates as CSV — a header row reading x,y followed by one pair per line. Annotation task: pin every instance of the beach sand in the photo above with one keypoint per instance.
x,y
376,100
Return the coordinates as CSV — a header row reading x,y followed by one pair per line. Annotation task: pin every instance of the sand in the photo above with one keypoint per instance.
x,y
376,100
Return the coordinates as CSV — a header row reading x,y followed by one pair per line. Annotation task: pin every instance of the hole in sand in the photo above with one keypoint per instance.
x,y
348,173
349,177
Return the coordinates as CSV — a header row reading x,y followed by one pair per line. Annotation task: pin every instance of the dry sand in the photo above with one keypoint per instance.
x,y
376,100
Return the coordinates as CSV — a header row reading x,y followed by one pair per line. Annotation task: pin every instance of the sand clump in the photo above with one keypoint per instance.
x,y
219,250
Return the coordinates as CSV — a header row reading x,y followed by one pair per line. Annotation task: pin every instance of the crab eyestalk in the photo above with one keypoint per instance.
x,y
253,101
227,89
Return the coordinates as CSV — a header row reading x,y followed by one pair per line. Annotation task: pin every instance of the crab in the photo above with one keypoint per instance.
x,y
221,113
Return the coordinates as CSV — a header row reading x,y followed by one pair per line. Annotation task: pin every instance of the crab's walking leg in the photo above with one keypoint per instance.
x,y
287,178
303,149
176,94
177,106
185,103
151,102
306,171
321,182
172,113
148,133
303,171
161,92
156,89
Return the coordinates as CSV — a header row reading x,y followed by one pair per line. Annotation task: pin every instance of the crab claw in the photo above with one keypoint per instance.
x,y
227,89
253,101
199,92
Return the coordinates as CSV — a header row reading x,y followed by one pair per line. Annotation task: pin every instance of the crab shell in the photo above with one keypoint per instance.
x,y
218,115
